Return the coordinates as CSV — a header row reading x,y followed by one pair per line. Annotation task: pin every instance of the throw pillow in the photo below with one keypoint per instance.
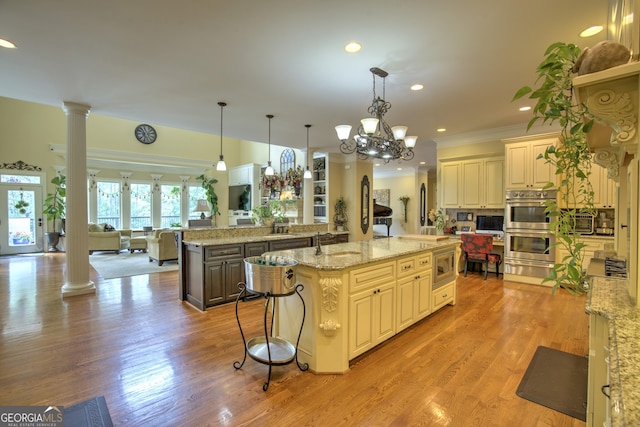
x,y
109,227
94,227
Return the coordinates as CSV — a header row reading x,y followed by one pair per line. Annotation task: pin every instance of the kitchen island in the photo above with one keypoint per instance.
x,y
359,294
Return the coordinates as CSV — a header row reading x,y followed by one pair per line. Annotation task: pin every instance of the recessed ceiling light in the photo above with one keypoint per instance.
x,y
526,108
352,47
7,43
592,31
441,130
417,86
376,164
423,163
399,169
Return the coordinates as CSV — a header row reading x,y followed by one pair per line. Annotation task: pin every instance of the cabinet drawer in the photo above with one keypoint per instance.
x,y
423,262
255,248
223,252
376,275
282,245
406,266
443,295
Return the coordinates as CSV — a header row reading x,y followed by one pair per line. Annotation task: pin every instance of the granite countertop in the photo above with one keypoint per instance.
x,y
234,239
609,297
346,255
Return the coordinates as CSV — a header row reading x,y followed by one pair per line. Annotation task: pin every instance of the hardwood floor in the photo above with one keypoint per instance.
x,y
159,362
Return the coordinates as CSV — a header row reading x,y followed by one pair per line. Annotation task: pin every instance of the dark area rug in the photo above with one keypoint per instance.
x,y
90,413
557,380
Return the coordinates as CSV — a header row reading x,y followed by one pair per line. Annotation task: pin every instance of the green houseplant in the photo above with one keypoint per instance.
x,y
212,197
556,103
340,217
54,209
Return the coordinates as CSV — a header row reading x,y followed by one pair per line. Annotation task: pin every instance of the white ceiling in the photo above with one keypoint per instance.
x,y
169,62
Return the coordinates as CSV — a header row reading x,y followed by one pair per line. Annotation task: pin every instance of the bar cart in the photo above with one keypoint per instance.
x,y
270,278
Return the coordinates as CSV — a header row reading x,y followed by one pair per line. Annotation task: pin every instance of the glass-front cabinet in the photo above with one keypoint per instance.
x,y
320,187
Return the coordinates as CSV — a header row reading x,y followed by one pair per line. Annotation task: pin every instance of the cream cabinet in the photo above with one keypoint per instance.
x,y
475,183
524,169
413,290
591,246
604,188
483,183
372,317
598,376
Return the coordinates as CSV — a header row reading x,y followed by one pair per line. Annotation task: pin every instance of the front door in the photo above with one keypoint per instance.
x,y
20,219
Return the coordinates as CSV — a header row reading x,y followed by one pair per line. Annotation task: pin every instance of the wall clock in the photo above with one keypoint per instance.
x,y
145,134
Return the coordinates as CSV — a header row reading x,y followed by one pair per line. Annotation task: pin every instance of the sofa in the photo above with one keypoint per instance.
x,y
102,237
161,246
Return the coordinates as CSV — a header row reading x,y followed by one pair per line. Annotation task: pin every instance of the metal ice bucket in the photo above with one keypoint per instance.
x,y
279,279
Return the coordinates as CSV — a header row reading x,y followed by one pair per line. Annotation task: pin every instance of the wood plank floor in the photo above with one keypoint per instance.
x,y
159,362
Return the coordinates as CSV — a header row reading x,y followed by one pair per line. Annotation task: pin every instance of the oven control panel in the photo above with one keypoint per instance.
x,y
531,194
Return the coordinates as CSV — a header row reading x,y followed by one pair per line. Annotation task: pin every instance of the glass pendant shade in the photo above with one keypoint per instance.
x,y
369,125
399,132
343,131
410,141
307,174
221,165
269,170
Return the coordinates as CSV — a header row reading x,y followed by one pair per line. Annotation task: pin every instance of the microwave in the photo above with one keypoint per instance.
x,y
585,223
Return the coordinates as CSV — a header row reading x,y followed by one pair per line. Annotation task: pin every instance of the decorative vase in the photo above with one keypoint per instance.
x,y
439,231
297,191
268,222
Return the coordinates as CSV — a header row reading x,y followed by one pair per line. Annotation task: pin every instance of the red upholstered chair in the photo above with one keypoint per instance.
x,y
477,248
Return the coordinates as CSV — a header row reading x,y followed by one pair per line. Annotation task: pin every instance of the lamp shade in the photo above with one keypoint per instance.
x,y
269,170
307,174
221,165
399,132
410,141
202,206
343,132
369,125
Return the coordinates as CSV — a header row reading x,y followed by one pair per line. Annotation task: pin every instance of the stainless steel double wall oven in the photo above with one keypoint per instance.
x,y
529,249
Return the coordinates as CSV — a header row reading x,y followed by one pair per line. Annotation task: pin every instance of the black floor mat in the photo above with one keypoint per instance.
x,y
90,413
557,380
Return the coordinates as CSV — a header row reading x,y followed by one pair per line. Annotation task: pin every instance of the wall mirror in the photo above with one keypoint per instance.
x,y
423,204
364,204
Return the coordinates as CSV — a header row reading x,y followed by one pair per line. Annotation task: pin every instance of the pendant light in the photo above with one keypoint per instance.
x,y
221,165
269,170
307,173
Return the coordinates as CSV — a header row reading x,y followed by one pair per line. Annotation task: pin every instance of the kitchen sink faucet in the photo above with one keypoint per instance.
x,y
318,247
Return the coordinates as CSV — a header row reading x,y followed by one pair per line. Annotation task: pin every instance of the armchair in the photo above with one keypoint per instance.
x,y
161,246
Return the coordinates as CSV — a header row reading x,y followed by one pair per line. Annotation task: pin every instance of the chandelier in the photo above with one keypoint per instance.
x,y
375,138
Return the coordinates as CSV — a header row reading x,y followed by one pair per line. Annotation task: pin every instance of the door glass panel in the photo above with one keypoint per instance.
x,y
22,225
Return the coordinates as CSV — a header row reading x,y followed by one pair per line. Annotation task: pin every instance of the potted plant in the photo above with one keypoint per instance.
x,y
212,197
263,214
21,205
340,217
555,103
438,219
22,237
54,209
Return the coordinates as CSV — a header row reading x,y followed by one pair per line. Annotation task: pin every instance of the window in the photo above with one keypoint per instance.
x,y
109,203
21,179
287,160
170,205
196,193
140,205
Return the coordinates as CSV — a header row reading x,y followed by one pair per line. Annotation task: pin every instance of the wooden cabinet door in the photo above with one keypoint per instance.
x,y
494,184
233,274
361,322
255,248
214,283
406,299
384,319
422,294
541,172
451,197
516,157
472,184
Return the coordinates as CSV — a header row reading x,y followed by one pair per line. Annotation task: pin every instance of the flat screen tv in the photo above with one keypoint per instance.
x,y
240,197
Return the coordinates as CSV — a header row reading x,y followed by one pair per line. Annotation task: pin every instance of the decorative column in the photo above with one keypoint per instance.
x,y
156,201
77,239
184,200
125,190
93,195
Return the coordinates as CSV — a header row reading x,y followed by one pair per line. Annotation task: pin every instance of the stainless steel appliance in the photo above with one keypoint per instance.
x,y
585,223
443,267
525,209
529,249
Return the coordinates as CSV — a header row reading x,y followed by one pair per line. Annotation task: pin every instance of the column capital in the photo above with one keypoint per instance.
x,y
75,108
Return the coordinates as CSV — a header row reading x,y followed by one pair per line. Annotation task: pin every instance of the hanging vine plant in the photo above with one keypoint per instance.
x,y
21,205
556,103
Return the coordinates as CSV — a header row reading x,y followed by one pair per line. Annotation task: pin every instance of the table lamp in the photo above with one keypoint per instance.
x,y
202,207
